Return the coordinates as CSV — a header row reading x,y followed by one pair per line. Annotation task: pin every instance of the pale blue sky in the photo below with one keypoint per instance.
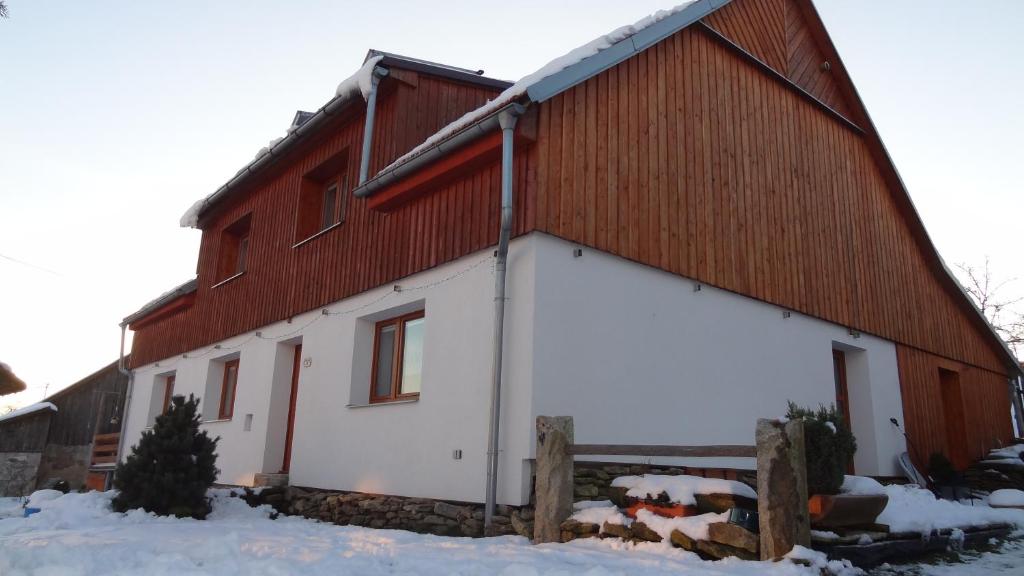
x,y
116,116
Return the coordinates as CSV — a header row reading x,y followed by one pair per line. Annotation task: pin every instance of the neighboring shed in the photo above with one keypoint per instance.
x,y
75,440
22,440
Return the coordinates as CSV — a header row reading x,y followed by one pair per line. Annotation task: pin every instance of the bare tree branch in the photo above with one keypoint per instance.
x,y
1002,312
3,9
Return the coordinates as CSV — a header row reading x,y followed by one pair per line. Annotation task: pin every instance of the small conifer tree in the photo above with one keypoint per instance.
x,y
829,445
171,468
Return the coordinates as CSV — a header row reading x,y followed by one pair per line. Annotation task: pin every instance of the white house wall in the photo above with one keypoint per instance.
x,y
637,356
634,354
341,442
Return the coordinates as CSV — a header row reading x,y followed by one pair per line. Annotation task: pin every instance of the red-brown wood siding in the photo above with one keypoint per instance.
x,y
776,32
713,170
759,27
986,405
368,250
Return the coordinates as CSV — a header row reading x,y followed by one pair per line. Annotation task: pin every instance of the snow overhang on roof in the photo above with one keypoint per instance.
x,y
352,90
161,301
30,409
554,77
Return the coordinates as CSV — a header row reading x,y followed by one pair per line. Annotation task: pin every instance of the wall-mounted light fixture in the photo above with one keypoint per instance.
x,y
854,333
577,252
697,287
786,313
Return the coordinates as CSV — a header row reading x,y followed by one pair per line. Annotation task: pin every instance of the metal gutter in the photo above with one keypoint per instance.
x,y
507,122
128,392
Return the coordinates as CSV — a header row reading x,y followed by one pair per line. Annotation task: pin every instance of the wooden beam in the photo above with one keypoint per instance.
x,y
719,451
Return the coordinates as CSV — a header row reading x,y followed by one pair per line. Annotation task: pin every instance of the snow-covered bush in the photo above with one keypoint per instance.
x,y
829,446
172,467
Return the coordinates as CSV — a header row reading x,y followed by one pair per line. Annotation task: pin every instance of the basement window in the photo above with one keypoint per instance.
x,y
397,371
234,249
323,198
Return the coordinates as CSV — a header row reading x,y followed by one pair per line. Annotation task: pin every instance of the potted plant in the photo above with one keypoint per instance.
x,y
829,446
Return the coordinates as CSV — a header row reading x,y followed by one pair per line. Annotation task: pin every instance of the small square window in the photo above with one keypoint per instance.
x,y
398,358
323,197
234,248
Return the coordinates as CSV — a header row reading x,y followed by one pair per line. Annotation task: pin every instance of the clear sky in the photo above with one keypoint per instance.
x,y
116,116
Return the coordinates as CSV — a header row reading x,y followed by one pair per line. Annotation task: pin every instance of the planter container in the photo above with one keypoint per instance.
x,y
845,510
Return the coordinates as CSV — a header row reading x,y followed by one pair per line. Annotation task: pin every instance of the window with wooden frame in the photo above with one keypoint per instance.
x,y
397,358
229,385
234,249
323,197
168,393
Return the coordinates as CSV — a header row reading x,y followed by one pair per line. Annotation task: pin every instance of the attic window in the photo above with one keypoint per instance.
x,y
323,197
234,249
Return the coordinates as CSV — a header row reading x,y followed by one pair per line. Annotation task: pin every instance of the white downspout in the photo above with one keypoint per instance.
x,y
128,393
371,113
507,122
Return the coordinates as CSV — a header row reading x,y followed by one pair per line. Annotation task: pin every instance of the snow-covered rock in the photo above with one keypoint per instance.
x,y
861,486
680,489
1006,498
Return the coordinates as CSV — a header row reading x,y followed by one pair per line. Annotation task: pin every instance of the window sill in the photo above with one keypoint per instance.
x,y
215,421
228,279
384,403
318,234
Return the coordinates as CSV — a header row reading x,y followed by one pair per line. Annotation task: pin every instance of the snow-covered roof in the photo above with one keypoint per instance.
x,y
356,85
31,408
538,85
179,290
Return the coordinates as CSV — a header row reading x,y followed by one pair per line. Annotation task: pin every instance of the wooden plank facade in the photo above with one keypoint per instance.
x,y
733,152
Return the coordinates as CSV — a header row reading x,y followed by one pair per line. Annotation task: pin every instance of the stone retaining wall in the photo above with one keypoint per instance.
x,y
18,472
421,515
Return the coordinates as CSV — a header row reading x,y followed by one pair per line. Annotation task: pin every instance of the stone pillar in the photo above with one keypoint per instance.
x,y
781,487
554,477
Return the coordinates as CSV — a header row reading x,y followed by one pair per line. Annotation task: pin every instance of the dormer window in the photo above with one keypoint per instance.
x,y
234,249
323,198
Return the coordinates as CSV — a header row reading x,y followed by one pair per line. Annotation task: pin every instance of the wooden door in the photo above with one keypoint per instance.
x,y
291,409
953,412
842,394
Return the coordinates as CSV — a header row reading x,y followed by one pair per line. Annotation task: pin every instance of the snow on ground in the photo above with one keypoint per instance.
x,y
680,489
598,512
78,535
913,509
